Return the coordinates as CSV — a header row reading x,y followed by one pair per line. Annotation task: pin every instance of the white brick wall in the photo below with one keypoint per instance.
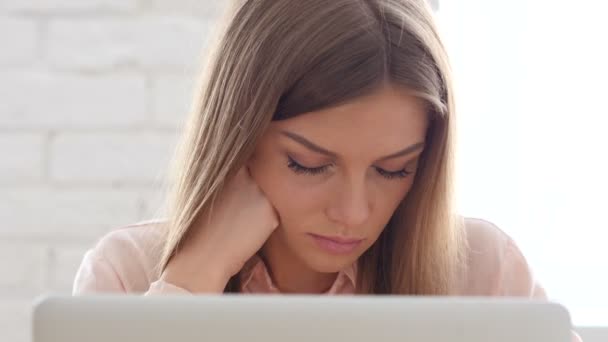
x,y
55,212
92,95
105,158
41,99
15,319
25,167
126,42
64,260
67,6
26,263
20,51
170,99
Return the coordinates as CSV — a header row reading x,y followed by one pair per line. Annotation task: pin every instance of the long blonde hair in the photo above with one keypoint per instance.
x,y
276,59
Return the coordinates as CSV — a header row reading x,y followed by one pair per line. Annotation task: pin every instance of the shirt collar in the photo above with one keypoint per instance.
x,y
255,278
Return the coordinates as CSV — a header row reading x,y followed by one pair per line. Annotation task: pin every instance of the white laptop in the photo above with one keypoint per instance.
x,y
107,318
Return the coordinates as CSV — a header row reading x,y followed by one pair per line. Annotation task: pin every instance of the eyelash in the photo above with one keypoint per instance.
x,y
393,174
299,169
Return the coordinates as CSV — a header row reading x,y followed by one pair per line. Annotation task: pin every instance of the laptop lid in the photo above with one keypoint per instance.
x,y
118,318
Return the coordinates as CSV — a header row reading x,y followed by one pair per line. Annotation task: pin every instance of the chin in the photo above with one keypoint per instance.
x,y
327,263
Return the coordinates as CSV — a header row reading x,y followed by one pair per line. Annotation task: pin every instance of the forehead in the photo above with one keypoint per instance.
x,y
388,119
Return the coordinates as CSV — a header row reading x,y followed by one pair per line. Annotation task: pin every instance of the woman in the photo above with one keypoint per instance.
x,y
317,159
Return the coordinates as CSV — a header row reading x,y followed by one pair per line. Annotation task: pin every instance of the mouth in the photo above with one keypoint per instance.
x,y
336,244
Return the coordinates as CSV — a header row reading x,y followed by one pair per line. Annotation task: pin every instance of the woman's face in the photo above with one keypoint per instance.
x,y
336,176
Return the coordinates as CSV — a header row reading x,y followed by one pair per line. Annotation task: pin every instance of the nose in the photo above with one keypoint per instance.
x,y
351,205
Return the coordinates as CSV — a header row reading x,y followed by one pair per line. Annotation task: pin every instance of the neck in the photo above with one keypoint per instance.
x,y
289,273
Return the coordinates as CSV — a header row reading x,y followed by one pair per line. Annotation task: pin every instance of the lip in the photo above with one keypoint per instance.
x,y
336,244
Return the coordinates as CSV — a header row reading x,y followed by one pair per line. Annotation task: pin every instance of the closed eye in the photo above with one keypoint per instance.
x,y
300,169
393,174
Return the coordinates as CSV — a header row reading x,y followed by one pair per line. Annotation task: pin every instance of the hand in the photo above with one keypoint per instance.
x,y
223,240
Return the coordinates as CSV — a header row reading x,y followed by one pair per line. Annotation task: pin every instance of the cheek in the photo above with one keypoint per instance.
x,y
387,199
395,193
296,202
301,206
292,200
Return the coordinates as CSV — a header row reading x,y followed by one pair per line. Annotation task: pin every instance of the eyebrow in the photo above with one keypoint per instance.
x,y
316,148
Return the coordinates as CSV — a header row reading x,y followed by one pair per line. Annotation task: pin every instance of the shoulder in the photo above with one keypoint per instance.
x,y
495,264
124,260
485,238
